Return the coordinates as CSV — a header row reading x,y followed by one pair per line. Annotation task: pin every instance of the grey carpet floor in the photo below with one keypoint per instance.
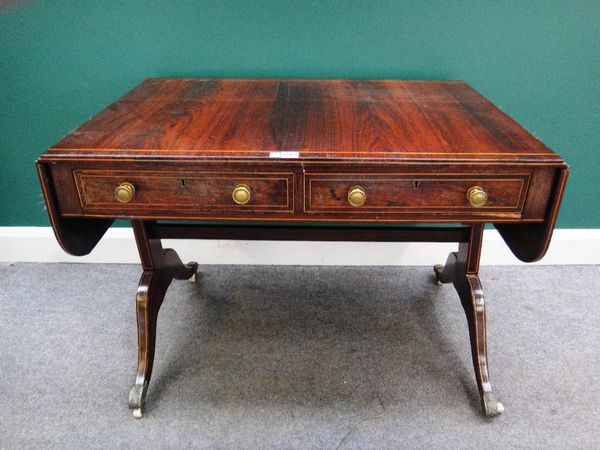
x,y
298,357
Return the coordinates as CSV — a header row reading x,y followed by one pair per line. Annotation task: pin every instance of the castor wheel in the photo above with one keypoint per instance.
x,y
137,398
436,270
491,407
194,267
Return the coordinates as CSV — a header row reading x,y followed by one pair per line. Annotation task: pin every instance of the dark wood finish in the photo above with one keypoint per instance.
x,y
195,191
419,128
381,119
392,193
76,236
461,269
160,266
281,190
530,242
414,148
308,233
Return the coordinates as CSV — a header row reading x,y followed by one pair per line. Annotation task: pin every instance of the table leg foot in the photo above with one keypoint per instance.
x,y
437,269
491,407
445,273
193,266
137,397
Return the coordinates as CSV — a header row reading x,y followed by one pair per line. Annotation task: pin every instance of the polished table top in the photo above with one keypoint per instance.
x,y
319,119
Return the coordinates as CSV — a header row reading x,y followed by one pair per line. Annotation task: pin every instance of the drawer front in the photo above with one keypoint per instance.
x,y
184,191
414,193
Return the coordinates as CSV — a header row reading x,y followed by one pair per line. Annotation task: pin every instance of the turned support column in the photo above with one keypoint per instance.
x,y
462,269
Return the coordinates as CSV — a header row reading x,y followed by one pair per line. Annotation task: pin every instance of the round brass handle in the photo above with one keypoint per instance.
x,y
241,194
477,196
124,192
357,196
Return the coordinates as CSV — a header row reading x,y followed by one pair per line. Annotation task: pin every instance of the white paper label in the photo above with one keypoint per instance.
x,y
284,155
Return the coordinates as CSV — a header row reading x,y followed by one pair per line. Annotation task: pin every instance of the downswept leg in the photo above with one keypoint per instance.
x,y
462,269
160,266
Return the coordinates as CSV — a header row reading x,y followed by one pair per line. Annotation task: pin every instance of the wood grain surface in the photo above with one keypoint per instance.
x,y
379,119
414,147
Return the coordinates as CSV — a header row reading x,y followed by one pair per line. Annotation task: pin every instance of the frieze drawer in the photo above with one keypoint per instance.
x,y
129,191
413,193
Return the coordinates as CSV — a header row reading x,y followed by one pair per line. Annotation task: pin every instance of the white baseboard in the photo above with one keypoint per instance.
x,y
37,244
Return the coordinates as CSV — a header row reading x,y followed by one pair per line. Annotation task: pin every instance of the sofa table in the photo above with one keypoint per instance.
x,y
319,160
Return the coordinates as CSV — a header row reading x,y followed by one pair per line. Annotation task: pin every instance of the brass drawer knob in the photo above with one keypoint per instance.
x,y
477,196
241,194
357,196
124,192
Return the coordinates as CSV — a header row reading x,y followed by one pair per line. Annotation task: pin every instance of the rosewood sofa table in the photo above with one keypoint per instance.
x,y
320,160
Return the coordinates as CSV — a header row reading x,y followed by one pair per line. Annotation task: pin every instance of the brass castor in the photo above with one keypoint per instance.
x,y
436,270
194,266
137,397
491,407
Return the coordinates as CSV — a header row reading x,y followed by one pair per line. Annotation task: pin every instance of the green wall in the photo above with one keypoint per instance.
x,y
63,61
